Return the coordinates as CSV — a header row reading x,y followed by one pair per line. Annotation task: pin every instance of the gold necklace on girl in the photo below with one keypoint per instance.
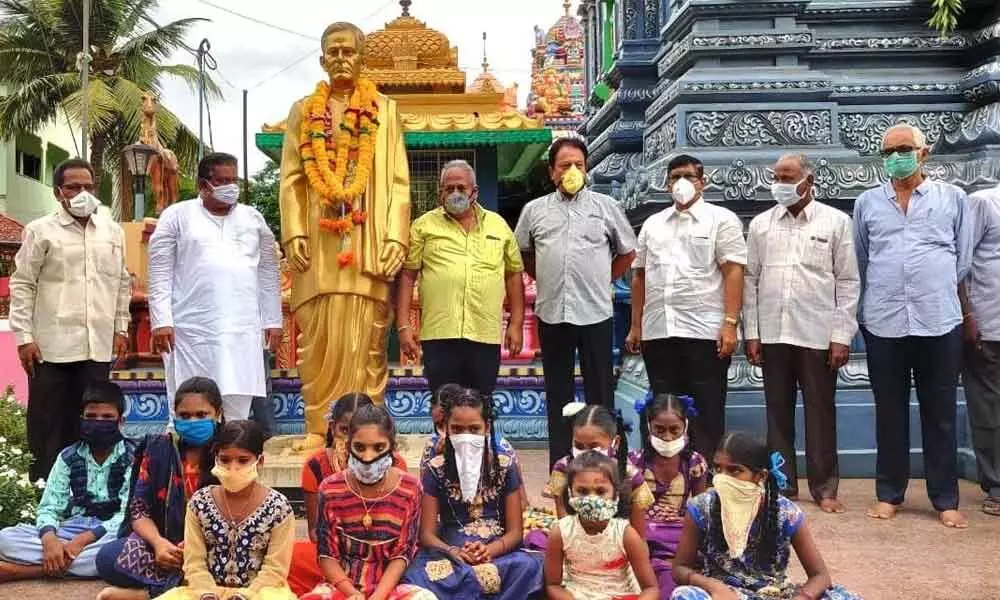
x,y
367,521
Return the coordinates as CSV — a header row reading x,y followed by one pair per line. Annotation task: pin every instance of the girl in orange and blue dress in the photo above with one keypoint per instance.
x,y
306,573
368,518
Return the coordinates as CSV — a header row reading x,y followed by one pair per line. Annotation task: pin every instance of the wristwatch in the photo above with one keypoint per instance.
x,y
734,321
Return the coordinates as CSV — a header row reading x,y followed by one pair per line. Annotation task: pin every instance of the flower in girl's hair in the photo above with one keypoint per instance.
x,y
359,217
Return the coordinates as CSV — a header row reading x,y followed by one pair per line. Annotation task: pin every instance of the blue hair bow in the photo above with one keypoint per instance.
x,y
689,409
640,405
778,461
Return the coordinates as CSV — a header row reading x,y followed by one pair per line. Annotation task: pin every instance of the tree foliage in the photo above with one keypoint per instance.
x,y
945,15
39,44
264,187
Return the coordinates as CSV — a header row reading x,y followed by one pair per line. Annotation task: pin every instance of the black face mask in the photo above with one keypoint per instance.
x,y
100,434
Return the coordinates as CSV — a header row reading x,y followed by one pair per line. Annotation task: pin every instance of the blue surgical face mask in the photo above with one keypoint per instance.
x,y
195,432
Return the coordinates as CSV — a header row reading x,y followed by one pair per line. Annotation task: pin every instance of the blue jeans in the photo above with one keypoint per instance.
x,y
21,545
934,363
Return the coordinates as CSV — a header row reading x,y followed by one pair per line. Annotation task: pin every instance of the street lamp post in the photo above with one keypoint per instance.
x,y
137,158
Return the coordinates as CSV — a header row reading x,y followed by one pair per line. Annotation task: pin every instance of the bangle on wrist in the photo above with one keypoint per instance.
x,y
402,328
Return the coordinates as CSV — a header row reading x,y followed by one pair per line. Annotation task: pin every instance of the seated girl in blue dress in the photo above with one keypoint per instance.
x,y
470,527
744,529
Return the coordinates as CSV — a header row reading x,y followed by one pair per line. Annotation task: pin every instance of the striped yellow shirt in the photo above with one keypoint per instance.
x,y
462,274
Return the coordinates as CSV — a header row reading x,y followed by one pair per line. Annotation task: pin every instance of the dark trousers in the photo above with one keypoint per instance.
x,y
467,363
982,394
934,364
560,342
686,366
54,396
261,407
786,369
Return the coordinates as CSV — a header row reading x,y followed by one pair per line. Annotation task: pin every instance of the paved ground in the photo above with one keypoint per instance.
x,y
909,558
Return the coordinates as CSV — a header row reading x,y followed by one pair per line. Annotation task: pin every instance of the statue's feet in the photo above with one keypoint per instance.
x,y
311,442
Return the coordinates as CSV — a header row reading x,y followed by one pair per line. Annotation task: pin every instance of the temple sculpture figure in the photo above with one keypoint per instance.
x,y
345,215
164,171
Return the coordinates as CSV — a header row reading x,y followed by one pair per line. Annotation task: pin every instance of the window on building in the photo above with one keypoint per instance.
x,y
28,156
425,173
54,155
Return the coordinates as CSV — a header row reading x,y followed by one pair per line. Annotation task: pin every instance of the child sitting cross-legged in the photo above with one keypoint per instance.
x,y
593,553
84,500
744,530
238,536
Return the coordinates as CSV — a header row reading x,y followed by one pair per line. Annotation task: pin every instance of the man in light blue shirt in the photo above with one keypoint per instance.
x,y
981,375
84,500
914,246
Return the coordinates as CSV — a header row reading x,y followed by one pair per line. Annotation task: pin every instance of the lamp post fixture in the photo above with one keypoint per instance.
x,y
137,157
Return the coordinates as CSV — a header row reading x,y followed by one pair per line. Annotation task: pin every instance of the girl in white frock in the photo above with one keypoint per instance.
x,y
593,552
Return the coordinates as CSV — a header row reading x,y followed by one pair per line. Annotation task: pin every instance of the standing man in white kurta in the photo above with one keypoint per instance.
x,y
213,289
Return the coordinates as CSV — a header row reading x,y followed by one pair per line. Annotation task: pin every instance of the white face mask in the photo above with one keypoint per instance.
x,y
786,194
668,449
83,204
227,194
469,448
683,192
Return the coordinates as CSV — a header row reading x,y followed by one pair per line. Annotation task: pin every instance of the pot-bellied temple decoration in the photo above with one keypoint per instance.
x,y
735,83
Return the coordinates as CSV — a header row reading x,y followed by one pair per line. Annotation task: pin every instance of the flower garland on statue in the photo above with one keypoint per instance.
x,y
325,158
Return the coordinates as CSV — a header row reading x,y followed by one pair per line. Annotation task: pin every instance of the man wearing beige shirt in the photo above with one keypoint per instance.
x,y
69,309
800,304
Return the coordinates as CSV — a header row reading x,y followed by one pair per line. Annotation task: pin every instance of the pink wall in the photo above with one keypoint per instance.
x,y
10,366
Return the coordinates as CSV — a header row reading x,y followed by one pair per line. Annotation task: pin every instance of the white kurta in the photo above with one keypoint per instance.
x,y
215,281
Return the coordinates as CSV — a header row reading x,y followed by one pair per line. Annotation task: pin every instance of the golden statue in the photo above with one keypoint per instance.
x,y
345,218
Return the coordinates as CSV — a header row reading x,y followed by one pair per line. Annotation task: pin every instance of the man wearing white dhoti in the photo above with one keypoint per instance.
x,y
214,294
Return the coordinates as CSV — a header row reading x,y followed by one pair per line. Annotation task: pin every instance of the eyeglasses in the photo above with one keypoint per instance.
x,y
887,152
76,188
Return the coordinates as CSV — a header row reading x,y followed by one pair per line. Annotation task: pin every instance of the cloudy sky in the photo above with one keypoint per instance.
x,y
278,67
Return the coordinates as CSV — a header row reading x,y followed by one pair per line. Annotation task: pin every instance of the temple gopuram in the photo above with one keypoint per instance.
x,y
558,90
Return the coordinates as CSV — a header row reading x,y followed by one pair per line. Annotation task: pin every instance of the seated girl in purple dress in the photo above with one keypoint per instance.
x,y
745,529
673,471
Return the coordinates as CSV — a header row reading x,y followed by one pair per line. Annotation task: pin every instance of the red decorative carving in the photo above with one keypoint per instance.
x,y
11,230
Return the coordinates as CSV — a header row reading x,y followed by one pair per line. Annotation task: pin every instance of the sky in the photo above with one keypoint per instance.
x,y
262,59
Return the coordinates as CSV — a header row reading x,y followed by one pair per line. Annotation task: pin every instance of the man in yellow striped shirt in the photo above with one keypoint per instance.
x,y
467,261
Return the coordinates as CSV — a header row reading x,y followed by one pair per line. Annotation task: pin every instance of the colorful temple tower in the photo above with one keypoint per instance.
x,y
558,89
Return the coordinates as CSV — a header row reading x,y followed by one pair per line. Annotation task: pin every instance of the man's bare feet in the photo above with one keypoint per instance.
x,y
882,510
117,593
832,505
953,519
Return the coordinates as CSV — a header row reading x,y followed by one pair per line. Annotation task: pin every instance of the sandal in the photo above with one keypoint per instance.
x,y
991,506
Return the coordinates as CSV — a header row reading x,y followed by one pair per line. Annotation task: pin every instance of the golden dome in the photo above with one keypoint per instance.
x,y
407,53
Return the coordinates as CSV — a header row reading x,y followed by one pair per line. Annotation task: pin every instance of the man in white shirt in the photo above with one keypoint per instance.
x,y
686,295
213,289
69,309
799,304
981,374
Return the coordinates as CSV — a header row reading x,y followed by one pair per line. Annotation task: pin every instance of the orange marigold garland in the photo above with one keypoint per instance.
x,y
355,139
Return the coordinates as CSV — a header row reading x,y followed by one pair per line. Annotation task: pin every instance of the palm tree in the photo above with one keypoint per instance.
x,y
945,14
39,44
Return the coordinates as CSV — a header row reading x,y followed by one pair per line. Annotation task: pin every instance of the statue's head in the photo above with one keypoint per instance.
x,y
343,47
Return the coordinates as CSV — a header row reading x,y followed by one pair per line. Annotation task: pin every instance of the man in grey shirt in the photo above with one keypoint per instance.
x,y
575,242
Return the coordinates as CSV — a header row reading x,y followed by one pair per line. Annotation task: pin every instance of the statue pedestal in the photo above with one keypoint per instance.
x,y
282,466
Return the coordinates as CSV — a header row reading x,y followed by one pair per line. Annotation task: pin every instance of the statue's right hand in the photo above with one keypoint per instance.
x,y
297,253
409,343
